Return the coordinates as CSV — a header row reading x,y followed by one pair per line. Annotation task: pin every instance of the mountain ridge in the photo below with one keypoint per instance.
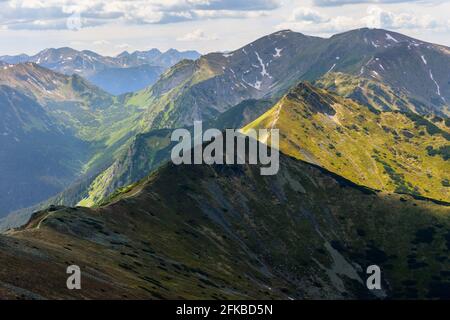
x,y
249,244
380,149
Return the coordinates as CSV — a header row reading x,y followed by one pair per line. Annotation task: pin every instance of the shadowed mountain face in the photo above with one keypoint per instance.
x,y
226,232
51,126
150,150
38,157
121,80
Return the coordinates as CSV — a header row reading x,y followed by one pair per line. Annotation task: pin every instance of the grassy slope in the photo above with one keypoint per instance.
x,y
386,151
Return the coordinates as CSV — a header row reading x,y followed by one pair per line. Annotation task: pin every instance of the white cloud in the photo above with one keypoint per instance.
x,y
379,18
306,19
23,14
332,3
309,20
197,35
308,14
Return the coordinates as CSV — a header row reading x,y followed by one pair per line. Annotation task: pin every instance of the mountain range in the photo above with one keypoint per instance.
x,y
117,75
364,177
214,84
203,89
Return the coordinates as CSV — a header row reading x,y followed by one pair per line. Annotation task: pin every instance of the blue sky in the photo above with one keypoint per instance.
x,y
110,27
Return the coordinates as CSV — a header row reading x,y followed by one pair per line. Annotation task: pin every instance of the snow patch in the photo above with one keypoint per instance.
x,y
423,59
438,89
332,67
389,37
277,53
256,86
263,67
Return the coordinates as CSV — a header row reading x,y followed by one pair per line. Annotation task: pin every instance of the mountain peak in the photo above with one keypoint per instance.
x,y
378,38
123,54
172,50
154,50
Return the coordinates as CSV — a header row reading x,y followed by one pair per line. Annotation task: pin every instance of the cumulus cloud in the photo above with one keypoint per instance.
x,y
197,35
31,14
310,20
308,14
379,18
332,3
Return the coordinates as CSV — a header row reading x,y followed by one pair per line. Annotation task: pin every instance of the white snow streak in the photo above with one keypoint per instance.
x,y
423,59
389,37
263,67
332,67
438,89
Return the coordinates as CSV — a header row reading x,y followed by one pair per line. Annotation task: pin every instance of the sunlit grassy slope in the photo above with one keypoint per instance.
x,y
389,150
